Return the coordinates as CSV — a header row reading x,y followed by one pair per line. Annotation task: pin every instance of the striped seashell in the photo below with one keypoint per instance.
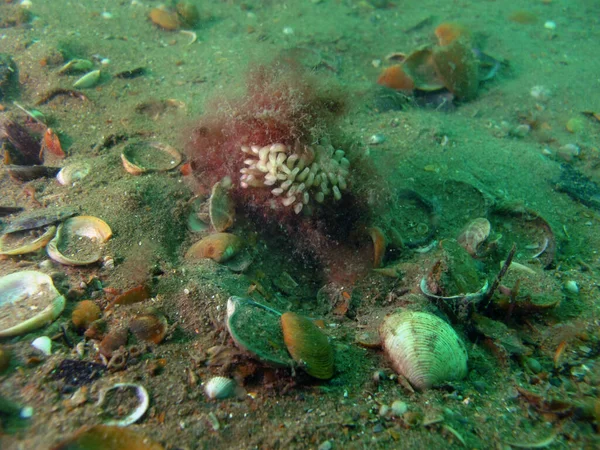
x,y
423,348
308,345
220,388
475,233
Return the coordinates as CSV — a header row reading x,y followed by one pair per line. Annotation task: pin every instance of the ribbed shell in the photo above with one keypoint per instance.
x,y
423,348
308,345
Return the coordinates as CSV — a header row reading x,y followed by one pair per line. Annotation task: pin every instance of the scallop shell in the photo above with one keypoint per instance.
x,y
423,348
220,388
78,241
140,157
308,345
219,247
474,234
28,300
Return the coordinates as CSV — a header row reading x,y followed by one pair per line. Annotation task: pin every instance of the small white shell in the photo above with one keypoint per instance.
x,y
220,388
423,348
137,413
73,173
43,344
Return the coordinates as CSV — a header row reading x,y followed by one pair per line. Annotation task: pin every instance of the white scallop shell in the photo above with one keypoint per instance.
x,y
220,388
423,348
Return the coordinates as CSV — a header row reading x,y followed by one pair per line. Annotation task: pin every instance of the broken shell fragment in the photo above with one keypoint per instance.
x,y
256,329
28,300
103,436
423,348
89,80
136,414
79,241
141,157
308,345
72,173
219,247
23,242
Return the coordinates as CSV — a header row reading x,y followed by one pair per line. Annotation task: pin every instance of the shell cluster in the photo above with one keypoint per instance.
x,y
296,176
423,348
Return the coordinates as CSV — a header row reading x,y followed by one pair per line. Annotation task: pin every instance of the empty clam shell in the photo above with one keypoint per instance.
x,y
28,300
423,348
256,329
140,157
79,241
142,398
73,173
23,242
308,345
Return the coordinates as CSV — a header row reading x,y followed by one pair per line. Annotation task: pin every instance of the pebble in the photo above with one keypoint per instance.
x,y
383,410
550,25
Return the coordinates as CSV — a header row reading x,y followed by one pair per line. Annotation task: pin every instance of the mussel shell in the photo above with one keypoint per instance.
x,y
423,348
419,66
71,233
38,219
457,67
24,149
256,329
28,300
28,173
308,345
